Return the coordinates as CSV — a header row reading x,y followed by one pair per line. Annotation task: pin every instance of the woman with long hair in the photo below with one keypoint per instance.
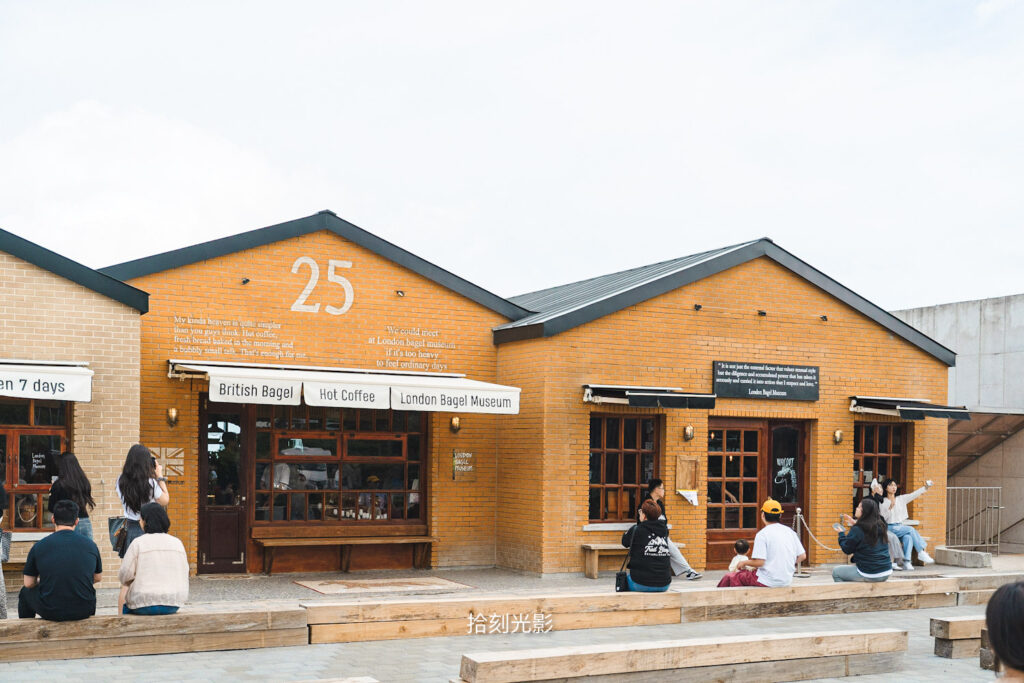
x,y
866,541
72,484
1004,618
154,573
894,512
895,544
141,482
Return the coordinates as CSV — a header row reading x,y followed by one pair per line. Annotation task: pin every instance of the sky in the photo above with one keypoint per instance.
x,y
522,145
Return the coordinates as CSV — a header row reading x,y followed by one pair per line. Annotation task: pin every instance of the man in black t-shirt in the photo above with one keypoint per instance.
x,y
61,571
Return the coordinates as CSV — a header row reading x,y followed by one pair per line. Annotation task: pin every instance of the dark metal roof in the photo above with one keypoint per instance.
x,y
562,308
53,262
324,220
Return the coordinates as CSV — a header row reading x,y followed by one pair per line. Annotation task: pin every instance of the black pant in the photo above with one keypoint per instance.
x,y
29,607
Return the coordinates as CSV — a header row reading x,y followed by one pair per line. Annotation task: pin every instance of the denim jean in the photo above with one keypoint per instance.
x,y
84,527
909,537
640,588
848,572
152,610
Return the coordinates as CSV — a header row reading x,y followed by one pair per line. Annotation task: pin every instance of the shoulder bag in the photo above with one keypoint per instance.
x,y
118,532
622,576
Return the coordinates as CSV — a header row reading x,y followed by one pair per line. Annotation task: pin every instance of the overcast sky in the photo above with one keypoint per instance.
x,y
527,144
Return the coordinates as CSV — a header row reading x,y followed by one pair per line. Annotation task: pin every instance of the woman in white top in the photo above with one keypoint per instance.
x,y
141,482
154,573
894,511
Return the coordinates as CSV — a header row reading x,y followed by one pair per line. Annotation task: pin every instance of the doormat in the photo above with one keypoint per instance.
x,y
356,586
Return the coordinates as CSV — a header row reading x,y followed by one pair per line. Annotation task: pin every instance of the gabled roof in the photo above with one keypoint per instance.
x,y
558,309
74,271
324,220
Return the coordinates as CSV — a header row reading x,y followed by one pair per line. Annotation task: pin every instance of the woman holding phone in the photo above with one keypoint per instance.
x,y
142,481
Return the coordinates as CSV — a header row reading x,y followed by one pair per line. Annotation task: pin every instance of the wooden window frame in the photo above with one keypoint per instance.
x,y
624,514
335,498
13,434
741,503
896,460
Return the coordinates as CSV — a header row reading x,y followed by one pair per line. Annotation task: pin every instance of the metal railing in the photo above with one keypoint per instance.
x,y
973,516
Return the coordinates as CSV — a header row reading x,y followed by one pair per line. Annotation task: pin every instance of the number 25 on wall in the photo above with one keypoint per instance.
x,y
314,275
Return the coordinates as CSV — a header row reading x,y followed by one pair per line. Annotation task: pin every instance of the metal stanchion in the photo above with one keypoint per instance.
x,y
798,519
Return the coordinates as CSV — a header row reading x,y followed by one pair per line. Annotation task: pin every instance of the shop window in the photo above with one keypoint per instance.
x,y
878,451
334,465
623,458
33,434
732,478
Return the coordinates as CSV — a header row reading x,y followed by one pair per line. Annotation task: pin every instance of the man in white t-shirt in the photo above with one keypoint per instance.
x,y
777,552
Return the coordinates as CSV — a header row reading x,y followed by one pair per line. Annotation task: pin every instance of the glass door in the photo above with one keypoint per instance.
x,y
735,486
222,490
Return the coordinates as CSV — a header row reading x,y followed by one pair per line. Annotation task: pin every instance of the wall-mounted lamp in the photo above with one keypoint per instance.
x,y
837,436
456,425
762,313
246,280
697,307
172,417
688,433
399,292
824,318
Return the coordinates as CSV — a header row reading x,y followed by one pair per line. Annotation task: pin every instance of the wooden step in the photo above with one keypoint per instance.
x,y
795,656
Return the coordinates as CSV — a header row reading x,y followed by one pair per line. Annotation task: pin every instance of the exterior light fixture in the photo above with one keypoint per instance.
x,y
456,425
824,318
697,307
762,313
837,436
688,433
400,292
172,417
246,280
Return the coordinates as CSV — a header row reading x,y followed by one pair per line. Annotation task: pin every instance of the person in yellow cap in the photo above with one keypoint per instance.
x,y
777,552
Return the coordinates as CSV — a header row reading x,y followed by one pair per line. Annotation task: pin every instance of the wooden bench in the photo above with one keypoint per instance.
x,y
957,637
592,554
392,619
420,553
193,629
764,656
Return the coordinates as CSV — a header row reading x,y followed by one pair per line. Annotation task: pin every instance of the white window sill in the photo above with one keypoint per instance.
x,y
21,536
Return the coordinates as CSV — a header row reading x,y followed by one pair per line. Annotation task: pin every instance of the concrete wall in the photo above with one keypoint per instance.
x,y
988,336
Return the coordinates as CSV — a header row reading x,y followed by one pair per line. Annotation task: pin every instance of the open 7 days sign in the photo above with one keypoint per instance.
x,y
766,380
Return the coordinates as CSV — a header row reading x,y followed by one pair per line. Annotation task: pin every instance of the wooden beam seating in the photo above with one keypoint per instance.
x,y
193,629
764,656
592,554
420,558
486,614
957,637
986,657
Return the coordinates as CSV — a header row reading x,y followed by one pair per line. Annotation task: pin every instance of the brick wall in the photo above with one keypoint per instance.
x,y
664,342
45,317
461,512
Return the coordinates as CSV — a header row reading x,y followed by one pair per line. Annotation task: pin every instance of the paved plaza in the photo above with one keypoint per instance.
x,y
437,659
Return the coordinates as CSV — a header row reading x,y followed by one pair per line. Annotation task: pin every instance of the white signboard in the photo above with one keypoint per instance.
x,y
279,392
344,395
59,383
455,400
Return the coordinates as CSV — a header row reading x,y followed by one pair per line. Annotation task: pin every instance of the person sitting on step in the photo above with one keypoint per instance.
x,y
894,512
777,552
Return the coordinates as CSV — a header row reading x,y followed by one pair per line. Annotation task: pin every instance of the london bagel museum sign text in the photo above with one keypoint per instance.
x,y
765,380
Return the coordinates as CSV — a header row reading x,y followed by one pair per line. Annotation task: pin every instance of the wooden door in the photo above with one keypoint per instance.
x,y
223,488
748,462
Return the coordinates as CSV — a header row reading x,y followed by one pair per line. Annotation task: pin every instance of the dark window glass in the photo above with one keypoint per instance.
x,y
629,434
397,506
264,417
750,442
413,478
632,499
611,468
262,507
263,476
373,448
37,463
714,492
897,441
263,445
595,504
732,466
646,467
50,414
749,518
316,418
415,421
883,439
732,491
611,427
857,431
299,417
619,470
413,446
869,439
715,440
280,417
714,518
382,423
308,448
647,434
732,441
629,468
366,420
595,432
595,468
13,411
348,419
750,492
750,466
715,466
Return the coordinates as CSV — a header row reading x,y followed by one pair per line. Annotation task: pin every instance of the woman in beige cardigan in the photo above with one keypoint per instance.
x,y
154,571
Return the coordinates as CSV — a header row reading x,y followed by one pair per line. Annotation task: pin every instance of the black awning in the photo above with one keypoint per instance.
x,y
647,397
906,408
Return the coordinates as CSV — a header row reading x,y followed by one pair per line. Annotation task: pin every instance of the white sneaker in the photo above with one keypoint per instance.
x,y
907,566
925,557
897,567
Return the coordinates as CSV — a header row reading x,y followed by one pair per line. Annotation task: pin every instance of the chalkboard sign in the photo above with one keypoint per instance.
x,y
765,380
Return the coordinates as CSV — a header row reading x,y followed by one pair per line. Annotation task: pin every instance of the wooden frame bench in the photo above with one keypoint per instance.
x,y
192,629
767,656
592,555
420,553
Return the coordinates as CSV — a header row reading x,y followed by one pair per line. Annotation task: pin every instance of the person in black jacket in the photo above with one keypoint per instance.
x,y
680,567
866,541
650,570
